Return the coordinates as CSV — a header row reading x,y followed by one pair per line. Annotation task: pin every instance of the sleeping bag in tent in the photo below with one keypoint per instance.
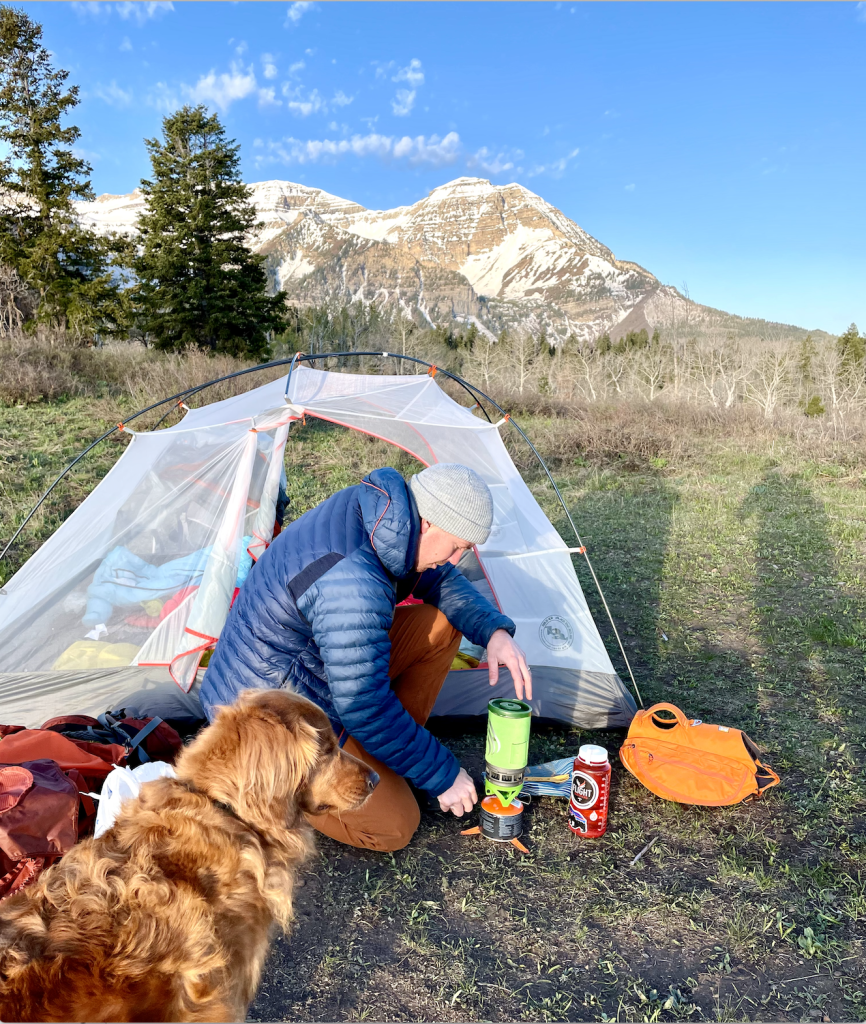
x,y
213,480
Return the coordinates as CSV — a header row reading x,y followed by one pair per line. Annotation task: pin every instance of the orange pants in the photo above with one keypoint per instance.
x,y
423,645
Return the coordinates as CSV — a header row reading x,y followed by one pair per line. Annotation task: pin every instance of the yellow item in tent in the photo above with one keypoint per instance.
x,y
462,660
153,607
95,654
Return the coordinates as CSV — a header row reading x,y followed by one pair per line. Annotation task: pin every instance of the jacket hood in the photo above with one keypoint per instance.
x,y
391,520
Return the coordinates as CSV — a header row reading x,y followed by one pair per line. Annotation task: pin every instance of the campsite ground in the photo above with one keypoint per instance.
x,y
733,554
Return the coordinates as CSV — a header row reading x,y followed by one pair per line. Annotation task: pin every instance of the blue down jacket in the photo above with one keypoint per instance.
x,y
315,612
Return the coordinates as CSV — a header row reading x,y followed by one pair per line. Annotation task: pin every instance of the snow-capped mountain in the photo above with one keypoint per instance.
x,y
496,255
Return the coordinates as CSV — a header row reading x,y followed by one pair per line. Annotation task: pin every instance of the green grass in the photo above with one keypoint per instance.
x,y
737,578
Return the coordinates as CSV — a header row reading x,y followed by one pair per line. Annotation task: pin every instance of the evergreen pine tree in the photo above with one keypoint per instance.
x,y
198,283
852,347
66,266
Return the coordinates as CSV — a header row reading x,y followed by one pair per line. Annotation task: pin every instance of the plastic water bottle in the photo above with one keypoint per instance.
x,y
590,791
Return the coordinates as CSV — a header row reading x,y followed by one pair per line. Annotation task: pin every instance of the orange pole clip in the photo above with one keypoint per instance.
x,y
432,371
507,416
120,426
582,551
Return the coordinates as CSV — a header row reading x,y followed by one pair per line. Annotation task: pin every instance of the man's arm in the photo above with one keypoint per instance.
x,y
448,590
350,613
476,618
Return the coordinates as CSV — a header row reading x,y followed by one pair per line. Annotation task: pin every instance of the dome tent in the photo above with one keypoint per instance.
x,y
136,584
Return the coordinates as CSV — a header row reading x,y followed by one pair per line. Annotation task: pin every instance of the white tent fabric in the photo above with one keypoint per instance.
x,y
136,584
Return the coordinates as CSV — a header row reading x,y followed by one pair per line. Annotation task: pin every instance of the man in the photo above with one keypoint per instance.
x,y
318,614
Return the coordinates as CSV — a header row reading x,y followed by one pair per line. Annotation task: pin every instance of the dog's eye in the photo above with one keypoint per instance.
x,y
321,808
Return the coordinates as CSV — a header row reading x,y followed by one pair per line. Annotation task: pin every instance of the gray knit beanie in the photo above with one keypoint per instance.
x,y
455,499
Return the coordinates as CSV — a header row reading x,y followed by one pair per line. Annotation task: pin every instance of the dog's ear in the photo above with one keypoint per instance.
x,y
255,757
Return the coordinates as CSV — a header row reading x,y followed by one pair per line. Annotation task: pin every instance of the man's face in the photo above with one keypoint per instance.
x,y
438,547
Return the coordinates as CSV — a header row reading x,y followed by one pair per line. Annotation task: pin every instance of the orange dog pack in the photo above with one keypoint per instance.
x,y
692,762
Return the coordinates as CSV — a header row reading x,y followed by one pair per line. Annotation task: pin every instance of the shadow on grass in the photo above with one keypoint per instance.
x,y
628,554
811,634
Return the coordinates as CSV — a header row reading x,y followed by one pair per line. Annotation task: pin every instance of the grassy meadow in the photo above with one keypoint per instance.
x,y
732,550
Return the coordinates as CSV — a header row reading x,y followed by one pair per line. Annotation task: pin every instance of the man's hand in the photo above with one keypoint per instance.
x,y
502,650
461,796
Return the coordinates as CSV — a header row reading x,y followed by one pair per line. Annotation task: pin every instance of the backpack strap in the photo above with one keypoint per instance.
x,y
142,735
109,722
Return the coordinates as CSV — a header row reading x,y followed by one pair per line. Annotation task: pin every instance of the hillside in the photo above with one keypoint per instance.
x,y
496,255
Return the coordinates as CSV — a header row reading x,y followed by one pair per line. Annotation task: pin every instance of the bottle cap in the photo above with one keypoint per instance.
x,y
591,753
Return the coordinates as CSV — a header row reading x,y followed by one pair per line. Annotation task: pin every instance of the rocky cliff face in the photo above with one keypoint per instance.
x,y
496,255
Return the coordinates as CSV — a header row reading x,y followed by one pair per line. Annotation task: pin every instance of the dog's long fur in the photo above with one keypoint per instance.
x,y
168,915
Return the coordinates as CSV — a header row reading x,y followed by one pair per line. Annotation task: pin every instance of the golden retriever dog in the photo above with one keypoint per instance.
x,y
168,915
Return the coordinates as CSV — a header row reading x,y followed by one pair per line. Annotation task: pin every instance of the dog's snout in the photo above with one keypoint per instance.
x,y
372,781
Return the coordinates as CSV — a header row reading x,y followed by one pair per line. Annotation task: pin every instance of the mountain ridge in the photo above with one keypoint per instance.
x,y
499,256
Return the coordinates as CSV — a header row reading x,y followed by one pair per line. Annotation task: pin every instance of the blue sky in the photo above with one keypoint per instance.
x,y
717,144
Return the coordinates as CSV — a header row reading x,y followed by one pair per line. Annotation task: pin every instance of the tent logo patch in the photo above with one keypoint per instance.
x,y
556,633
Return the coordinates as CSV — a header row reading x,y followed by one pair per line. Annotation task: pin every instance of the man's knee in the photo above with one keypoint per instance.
x,y
442,633
401,827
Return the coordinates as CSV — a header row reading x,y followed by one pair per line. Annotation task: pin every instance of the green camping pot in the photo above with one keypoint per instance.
x,y
507,748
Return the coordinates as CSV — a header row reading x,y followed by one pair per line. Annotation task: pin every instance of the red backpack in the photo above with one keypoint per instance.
x,y
39,807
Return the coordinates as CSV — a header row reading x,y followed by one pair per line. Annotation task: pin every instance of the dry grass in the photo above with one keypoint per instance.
x,y
641,434
35,369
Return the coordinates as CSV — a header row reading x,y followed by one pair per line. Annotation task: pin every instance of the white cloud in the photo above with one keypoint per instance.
x,y
268,98
303,107
92,9
630,188
303,103
485,160
861,11
125,44
403,102
269,67
91,156
555,169
434,150
113,95
222,90
164,98
241,48
139,11
142,11
296,67
411,74
419,150
296,11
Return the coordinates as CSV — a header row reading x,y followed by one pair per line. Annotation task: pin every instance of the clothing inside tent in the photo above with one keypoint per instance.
x,y
134,587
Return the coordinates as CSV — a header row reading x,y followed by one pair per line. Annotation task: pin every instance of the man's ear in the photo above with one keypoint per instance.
x,y
425,525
